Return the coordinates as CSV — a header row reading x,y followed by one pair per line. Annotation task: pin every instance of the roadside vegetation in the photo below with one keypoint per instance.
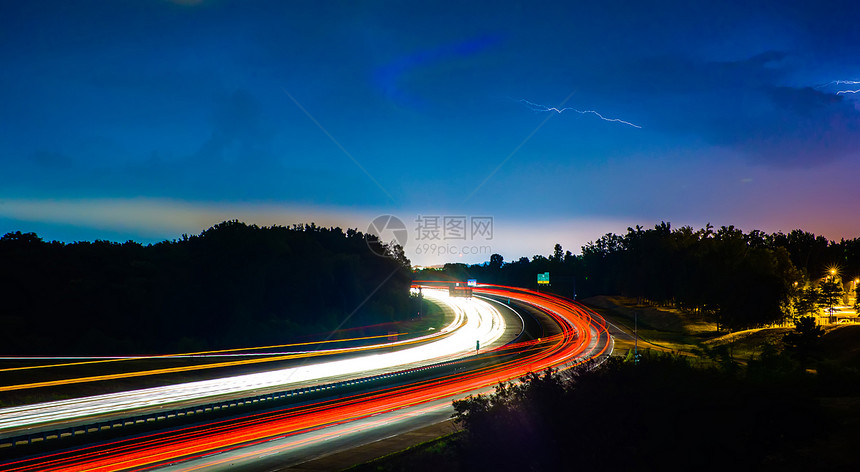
x,y
664,329
724,277
233,286
431,456
669,330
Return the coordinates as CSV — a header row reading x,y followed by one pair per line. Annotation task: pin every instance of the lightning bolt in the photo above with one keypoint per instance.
x,y
543,108
842,82
838,82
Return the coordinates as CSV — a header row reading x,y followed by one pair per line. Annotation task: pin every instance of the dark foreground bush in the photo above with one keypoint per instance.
x,y
659,414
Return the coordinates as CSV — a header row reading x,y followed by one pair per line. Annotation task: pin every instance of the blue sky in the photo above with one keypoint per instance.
x,y
148,119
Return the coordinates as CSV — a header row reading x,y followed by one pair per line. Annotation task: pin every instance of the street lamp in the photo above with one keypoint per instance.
x,y
830,278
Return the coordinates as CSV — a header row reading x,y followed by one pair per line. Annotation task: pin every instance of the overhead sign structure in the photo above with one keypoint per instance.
x,y
472,282
543,279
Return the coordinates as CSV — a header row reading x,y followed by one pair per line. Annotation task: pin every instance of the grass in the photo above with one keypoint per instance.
x,y
670,330
432,317
658,328
747,344
666,319
842,344
430,456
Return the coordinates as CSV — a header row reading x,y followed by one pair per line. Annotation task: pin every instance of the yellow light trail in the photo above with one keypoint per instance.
x,y
173,370
187,354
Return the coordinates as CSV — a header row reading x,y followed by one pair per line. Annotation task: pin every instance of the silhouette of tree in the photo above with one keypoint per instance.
x,y
557,254
830,294
804,342
496,261
806,302
739,280
857,299
234,285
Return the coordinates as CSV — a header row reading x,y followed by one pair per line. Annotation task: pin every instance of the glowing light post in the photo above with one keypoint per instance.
x,y
831,278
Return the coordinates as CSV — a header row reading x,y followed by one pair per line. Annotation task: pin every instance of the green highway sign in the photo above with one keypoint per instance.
x,y
543,279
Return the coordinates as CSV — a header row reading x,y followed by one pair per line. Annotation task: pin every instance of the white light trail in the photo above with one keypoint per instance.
x,y
543,108
475,320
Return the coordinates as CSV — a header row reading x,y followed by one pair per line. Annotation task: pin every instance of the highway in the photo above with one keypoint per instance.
x,y
291,451
474,320
288,435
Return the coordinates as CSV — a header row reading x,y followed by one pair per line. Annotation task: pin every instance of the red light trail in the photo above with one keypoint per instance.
x,y
582,337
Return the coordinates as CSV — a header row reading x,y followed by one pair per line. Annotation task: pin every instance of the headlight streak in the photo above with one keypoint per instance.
x,y
274,357
576,343
486,326
192,355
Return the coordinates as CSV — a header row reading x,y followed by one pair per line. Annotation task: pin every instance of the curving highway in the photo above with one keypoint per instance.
x,y
571,335
474,320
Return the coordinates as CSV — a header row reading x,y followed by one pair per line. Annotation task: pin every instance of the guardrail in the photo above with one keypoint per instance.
x,y
53,438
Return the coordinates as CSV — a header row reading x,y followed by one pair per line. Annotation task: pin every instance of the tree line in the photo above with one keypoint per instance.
x,y
739,280
232,286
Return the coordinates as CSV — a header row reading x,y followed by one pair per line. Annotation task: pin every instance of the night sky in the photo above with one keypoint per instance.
x,y
560,120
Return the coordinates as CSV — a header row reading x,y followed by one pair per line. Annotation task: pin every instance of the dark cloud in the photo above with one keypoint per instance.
x,y
389,78
745,105
804,102
806,128
240,133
